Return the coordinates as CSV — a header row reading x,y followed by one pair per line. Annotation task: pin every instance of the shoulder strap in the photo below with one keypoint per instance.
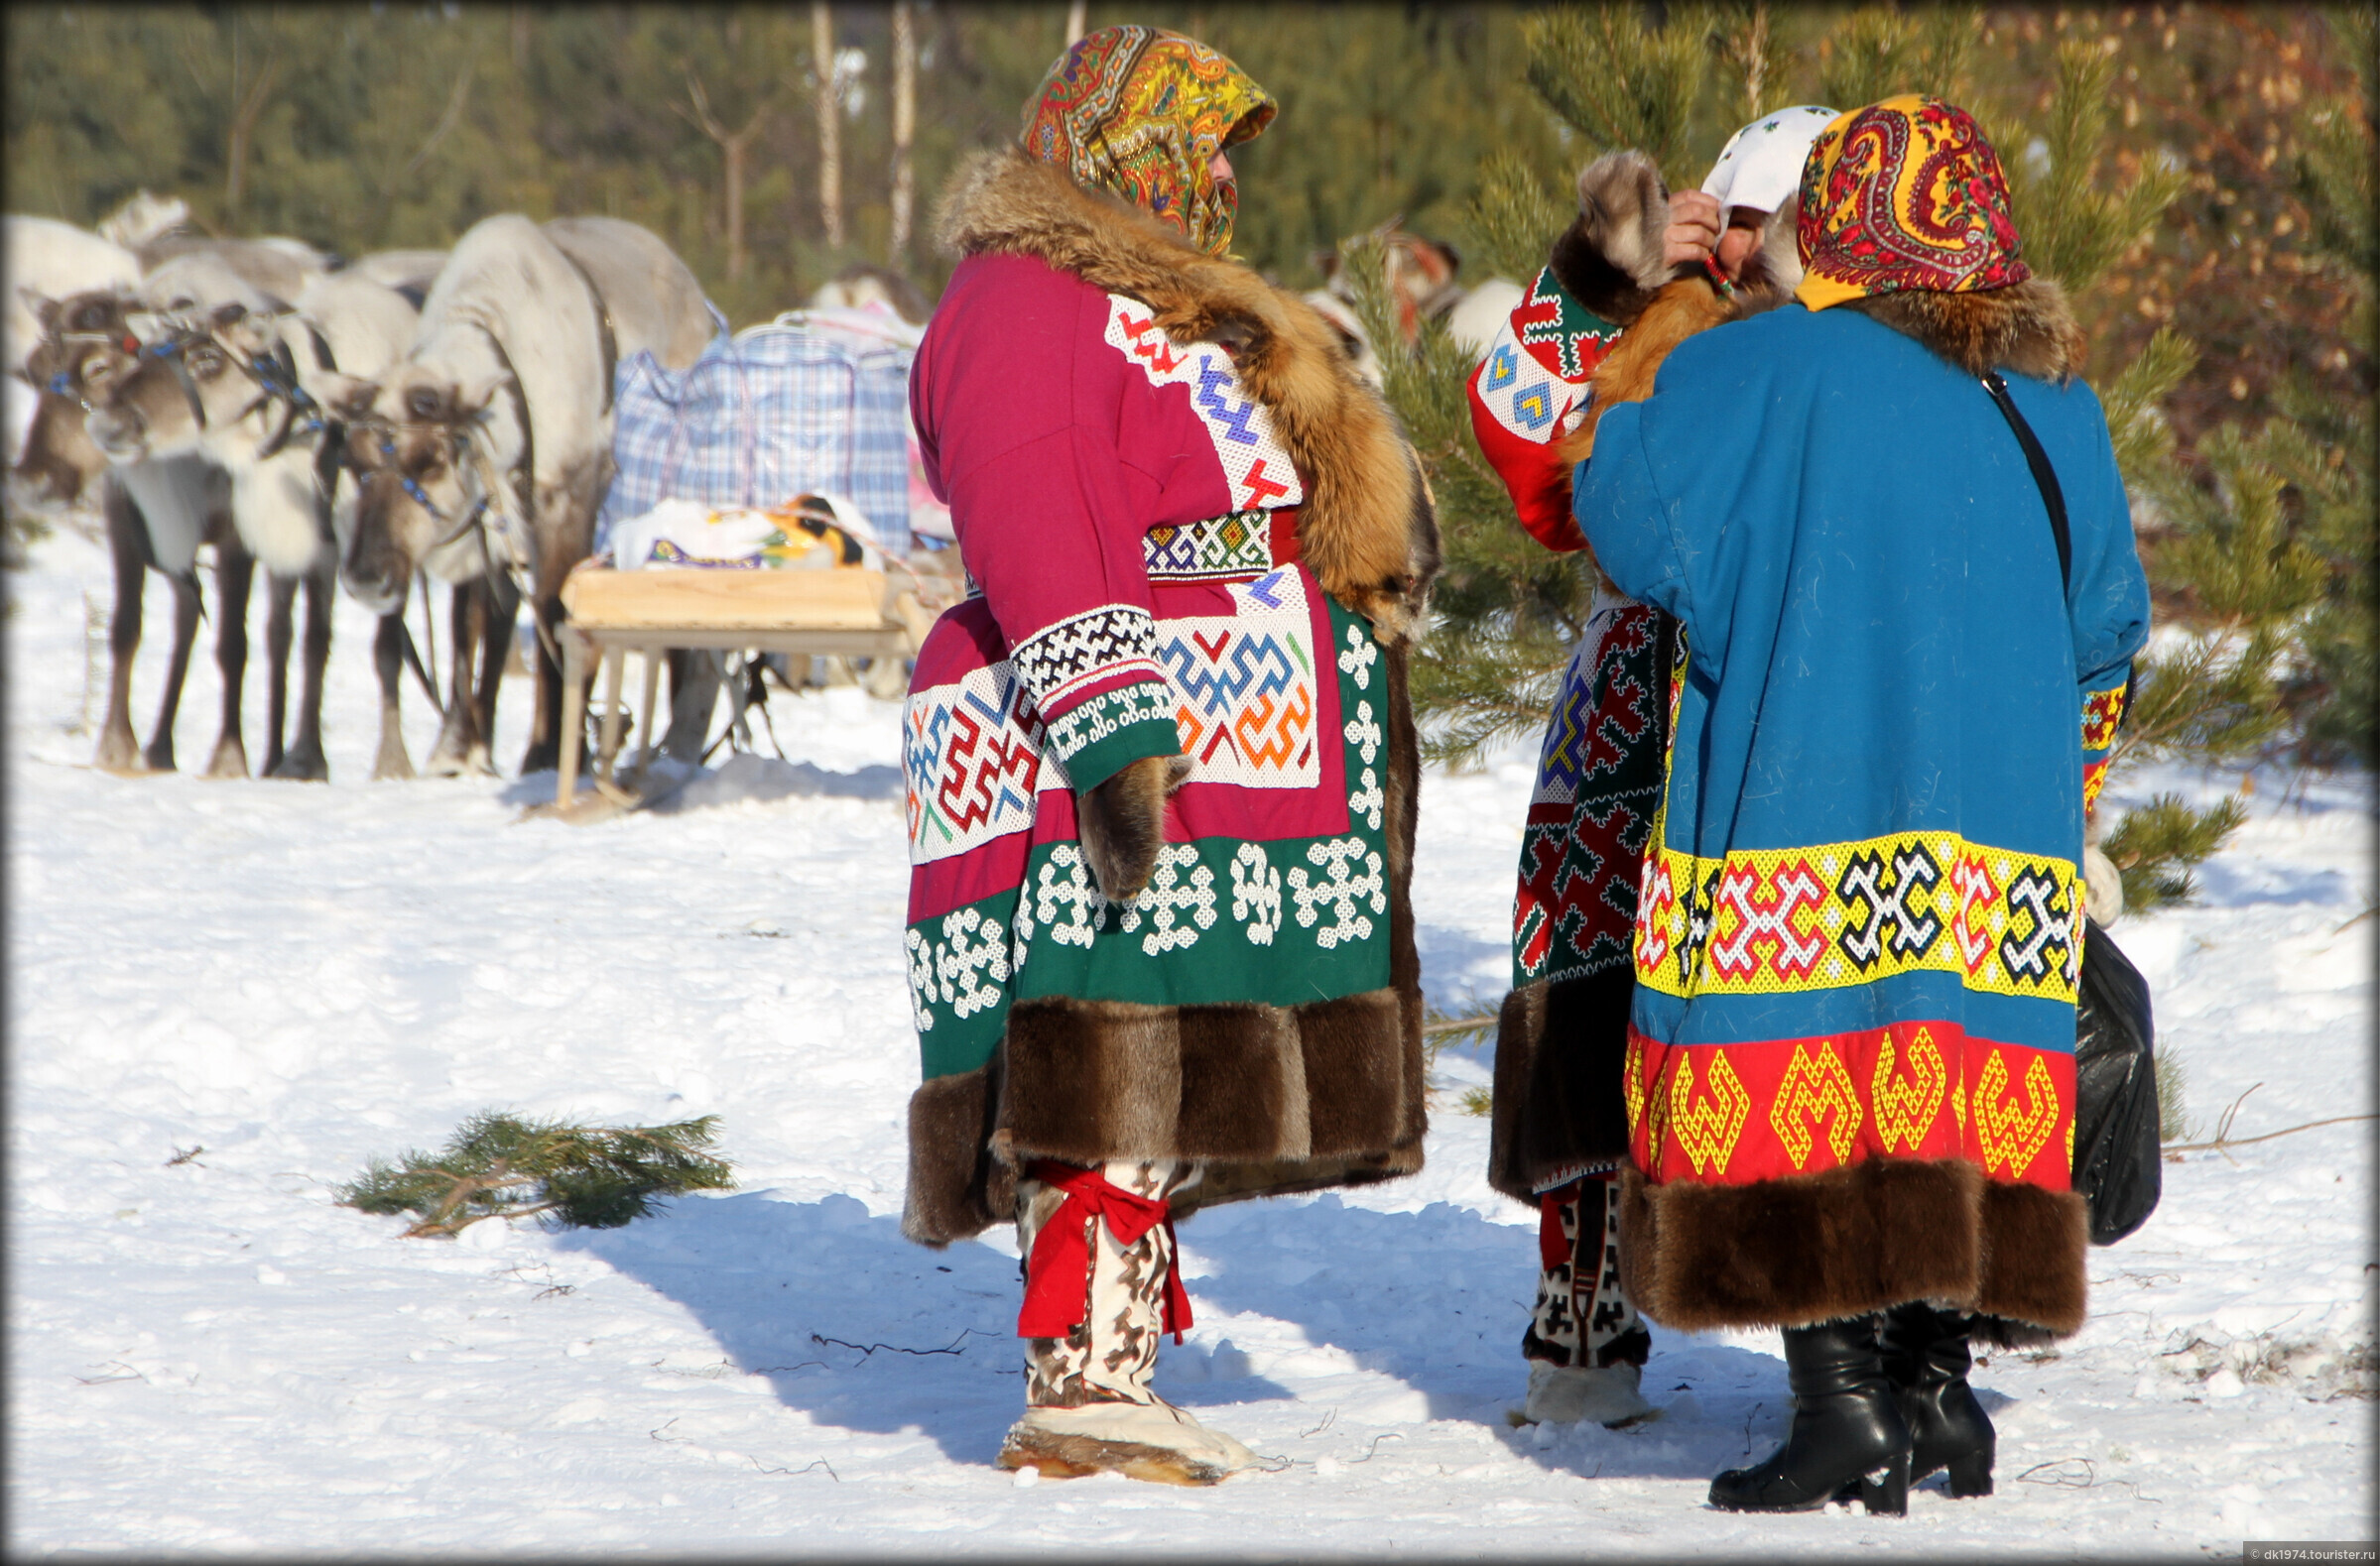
x,y
2042,474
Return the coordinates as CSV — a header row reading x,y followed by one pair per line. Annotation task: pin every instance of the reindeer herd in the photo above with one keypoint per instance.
x,y
413,414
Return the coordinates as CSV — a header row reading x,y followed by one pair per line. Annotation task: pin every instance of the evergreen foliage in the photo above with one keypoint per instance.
x,y
500,1165
1619,81
2255,544
1880,52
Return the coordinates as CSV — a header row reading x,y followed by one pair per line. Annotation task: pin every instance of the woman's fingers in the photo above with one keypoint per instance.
x,y
1693,228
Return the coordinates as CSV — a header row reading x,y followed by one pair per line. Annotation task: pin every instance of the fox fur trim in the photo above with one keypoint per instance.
x,y
2027,327
1623,212
1121,823
1788,1253
1273,1098
1366,528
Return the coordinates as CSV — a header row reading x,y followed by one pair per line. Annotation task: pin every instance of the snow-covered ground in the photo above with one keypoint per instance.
x,y
225,997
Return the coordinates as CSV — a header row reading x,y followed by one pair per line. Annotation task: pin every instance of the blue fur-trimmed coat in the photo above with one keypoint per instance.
x,y
1850,1069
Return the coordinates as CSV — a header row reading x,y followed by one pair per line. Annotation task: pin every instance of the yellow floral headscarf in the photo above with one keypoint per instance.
x,y
1903,195
1138,111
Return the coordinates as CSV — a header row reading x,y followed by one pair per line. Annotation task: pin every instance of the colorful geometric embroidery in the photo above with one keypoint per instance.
x,y
2102,713
2094,778
1708,1126
1104,716
1591,815
971,760
1532,406
1240,544
1309,906
2012,1135
1907,1105
1763,922
1259,469
951,970
1059,660
1764,1109
1816,1090
1339,890
1561,333
1244,687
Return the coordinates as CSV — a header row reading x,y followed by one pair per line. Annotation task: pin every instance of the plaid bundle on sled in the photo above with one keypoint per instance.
x,y
797,406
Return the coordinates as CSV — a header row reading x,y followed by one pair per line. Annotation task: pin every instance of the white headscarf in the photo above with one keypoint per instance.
x,y
1761,165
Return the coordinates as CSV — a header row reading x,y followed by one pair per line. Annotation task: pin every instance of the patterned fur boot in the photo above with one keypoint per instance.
x,y
1586,1343
1099,1255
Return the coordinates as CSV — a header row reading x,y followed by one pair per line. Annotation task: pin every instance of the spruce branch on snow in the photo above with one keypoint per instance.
x,y
500,1165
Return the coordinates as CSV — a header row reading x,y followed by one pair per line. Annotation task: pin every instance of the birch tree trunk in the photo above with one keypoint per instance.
x,y
905,121
831,126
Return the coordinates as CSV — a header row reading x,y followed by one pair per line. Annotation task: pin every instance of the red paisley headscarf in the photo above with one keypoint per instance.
x,y
1138,112
1903,195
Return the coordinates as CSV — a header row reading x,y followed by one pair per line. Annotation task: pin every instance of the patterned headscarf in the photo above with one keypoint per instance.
x,y
1903,195
1138,111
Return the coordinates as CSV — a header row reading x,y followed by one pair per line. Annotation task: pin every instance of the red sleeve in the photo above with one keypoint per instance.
x,y
1533,475
1017,421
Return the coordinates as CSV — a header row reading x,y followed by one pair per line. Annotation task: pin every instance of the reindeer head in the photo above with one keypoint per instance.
x,y
421,488
86,346
197,378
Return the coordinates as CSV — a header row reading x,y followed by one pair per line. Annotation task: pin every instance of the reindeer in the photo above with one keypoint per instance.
x,y
46,257
156,515
481,458
239,383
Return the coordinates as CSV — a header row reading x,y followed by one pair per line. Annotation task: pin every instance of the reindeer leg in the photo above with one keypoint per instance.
x,y
277,665
159,757
119,752
503,609
458,737
305,763
235,572
388,662
545,736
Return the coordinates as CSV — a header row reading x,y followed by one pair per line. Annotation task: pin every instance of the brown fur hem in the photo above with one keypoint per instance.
x,y
1366,528
1559,1051
1272,1099
1788,1253
2025,328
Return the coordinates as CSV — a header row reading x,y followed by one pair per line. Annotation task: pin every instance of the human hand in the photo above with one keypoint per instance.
x,y
1693,231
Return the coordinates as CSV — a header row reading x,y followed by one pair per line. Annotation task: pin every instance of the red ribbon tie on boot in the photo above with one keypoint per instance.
x,y
1057,1276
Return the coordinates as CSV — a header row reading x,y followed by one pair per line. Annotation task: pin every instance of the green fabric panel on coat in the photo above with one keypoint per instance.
x,y
1283,922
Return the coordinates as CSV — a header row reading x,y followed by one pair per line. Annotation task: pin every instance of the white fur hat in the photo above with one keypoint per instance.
x,y
1761,165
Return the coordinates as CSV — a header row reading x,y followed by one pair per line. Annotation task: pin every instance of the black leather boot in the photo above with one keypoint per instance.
x,y
1847,1433
1926,1359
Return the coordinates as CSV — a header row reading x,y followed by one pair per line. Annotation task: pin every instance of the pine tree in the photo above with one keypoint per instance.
x,y
500,1165
2258,588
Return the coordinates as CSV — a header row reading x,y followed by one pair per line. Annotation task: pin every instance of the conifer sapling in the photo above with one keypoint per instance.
x,y
500,1165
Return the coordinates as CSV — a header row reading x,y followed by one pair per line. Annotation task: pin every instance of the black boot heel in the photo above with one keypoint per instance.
x,y
1970,1476
1885,1493
1926,1358
1848,1436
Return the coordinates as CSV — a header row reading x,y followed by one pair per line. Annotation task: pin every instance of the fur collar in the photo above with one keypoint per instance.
x,y
2025,328
1367,529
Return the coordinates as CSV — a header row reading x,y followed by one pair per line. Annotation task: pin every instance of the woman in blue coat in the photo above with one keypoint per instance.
x,y
1850,1066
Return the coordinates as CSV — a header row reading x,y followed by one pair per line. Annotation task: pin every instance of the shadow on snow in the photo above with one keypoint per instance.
x,y
858,1328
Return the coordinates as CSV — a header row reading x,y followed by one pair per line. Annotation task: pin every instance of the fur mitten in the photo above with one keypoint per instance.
x,y
1122,823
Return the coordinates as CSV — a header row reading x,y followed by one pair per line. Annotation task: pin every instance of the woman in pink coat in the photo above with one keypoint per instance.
x,y
1161,765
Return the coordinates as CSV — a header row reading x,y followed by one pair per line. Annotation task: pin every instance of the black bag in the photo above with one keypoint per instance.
x,y
2119,1162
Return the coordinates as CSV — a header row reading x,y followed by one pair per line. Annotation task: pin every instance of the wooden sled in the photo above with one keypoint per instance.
x,y
847,611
